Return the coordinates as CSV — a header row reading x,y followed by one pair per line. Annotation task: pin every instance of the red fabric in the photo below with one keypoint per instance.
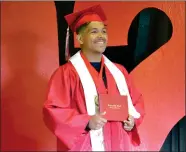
x,y
66,116
94,13
87,18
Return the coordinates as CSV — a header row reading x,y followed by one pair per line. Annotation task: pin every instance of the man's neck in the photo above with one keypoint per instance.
x,y
92,56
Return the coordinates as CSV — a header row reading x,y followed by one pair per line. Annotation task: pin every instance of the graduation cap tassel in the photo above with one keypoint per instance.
x,y
67,54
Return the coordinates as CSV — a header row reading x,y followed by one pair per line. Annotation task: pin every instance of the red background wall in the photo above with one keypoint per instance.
x,y
29,52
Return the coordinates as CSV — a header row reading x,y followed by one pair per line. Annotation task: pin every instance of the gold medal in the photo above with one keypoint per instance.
x,y
96,104
96,101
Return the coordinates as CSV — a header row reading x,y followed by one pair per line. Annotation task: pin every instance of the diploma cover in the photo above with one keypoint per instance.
x,y
116,107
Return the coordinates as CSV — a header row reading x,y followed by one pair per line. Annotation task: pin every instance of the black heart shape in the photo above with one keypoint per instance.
x,y
151,28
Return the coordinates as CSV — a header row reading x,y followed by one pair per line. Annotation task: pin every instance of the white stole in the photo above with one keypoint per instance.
x,y
90,92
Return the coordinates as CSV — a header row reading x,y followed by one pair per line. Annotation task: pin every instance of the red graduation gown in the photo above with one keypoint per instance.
x,y
66,116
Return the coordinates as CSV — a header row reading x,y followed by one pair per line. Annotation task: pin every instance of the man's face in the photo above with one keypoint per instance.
x,y
94,37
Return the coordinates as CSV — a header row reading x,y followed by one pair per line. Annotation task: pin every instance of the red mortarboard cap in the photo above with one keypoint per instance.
x,y
94,13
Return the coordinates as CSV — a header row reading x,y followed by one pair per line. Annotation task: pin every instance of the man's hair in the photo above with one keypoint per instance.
x,y
82,27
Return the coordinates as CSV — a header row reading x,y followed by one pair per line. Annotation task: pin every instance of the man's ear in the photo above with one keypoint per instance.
x,y
79,38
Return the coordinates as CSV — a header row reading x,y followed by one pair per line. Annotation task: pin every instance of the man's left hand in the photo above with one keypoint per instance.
x,y
129,124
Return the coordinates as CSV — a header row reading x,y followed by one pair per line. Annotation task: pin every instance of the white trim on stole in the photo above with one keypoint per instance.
x,y
90,92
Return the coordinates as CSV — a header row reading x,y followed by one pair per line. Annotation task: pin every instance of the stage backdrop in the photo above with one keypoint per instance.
x,y
29,55
29,52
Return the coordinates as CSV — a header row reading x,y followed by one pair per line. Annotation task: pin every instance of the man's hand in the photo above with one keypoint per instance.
x,y
96,122
129,124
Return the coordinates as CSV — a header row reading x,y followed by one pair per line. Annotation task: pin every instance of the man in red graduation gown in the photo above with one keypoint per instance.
x,y
67,112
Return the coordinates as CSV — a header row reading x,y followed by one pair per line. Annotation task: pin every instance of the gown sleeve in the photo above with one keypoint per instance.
x,y
138,102
60,114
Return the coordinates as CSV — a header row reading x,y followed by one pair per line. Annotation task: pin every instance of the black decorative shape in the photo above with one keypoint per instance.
x,y
175,141
63,8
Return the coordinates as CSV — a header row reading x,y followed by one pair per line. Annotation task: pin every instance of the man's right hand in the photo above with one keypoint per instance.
x,y
97,121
